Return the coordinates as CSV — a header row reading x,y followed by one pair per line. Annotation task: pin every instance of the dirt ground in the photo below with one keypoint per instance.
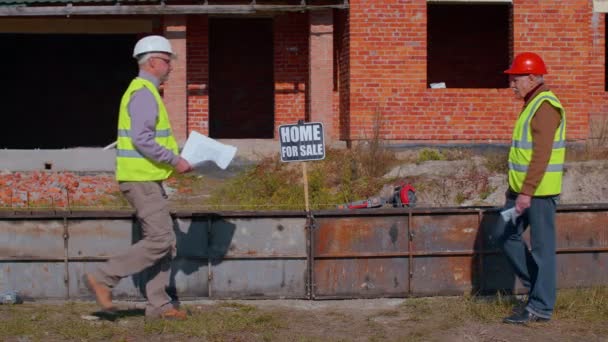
x,y
449,319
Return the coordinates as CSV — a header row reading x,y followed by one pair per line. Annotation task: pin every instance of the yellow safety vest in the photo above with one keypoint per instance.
x,y
520,153
130,164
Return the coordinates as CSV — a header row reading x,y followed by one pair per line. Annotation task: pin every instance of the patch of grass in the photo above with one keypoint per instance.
x,y
433,191
389,313
220,325
448,154
450,311
587,306
420,335
268,185
457,153
376,330
427,154
579,312
488,309
417,308
496,162
429,315
487,191
460,197
590,305
229,321
320,339
238,306
61,322
343,176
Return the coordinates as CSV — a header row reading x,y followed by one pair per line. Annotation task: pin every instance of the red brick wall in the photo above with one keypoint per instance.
x,y
198,74
381,60
563,37
388,73
290,68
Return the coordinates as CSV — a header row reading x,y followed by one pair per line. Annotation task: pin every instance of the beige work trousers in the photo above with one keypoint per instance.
x,y
154,251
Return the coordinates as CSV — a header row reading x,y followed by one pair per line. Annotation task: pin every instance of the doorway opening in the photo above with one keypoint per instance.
x,y
241,78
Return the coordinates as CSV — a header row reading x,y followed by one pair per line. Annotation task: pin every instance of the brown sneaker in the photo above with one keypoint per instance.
x,y
174,314
103,294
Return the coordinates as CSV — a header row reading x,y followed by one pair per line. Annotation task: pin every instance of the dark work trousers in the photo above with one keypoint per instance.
x,y
155,250
536,267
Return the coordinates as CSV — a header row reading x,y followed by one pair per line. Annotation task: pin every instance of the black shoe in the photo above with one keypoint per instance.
x,y
524,318
519,308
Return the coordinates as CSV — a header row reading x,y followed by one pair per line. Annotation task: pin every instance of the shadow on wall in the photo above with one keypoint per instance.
x,y
491,272
199,246
203,242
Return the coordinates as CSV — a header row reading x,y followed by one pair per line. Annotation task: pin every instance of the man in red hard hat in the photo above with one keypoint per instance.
x,y
536,164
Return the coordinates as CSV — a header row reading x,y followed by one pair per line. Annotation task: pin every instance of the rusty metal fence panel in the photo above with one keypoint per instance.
x,y
46,256
258,258
336,254
443,249
582,245
450,251
32,239
34,280
363,256
33,256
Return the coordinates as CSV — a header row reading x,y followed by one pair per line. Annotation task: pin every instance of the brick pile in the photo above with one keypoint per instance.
x,y
41,189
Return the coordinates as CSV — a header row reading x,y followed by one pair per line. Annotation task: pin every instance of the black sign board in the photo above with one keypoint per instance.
x,y
302,141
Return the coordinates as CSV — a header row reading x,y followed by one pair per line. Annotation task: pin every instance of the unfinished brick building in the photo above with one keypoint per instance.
x,y
247,66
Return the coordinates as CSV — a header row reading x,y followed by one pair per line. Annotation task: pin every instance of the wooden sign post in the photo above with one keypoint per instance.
x,y
302,142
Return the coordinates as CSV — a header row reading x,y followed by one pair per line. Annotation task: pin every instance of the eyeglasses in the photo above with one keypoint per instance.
x,y
166,60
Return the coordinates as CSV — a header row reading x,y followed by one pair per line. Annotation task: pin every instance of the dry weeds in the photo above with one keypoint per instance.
x,y
580,316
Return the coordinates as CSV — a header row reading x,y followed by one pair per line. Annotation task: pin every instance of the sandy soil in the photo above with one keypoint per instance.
x,y
442,319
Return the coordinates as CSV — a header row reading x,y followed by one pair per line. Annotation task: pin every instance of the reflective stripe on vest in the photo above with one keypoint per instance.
x,y
158,133
522,145
131,165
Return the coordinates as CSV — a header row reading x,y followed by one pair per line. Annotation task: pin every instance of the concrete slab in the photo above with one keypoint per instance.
x,y
97,159
76,159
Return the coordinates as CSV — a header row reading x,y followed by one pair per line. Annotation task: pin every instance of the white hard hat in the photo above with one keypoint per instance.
x,y
152,44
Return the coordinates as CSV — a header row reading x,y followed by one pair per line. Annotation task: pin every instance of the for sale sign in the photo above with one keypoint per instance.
x,y
302,141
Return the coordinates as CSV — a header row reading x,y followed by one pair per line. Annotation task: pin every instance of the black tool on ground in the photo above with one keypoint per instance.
x,y
404,195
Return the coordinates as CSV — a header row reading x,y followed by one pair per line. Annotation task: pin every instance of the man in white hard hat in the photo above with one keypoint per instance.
x,y
147,154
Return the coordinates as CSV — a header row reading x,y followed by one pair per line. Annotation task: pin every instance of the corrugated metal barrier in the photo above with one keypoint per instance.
x,y
327,254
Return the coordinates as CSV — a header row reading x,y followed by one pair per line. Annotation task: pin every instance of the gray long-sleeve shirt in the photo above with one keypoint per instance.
x,y
143,111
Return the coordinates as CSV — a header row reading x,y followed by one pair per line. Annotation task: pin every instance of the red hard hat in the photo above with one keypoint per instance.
x,y
527,63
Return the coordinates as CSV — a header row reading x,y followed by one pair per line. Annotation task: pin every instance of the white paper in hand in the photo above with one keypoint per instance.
x,y
199,148
509,215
